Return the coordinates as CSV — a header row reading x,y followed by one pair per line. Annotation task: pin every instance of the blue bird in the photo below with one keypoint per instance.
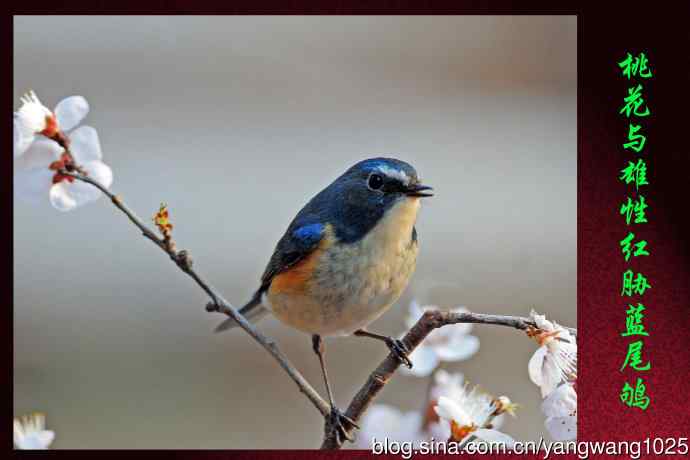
x,y
345,259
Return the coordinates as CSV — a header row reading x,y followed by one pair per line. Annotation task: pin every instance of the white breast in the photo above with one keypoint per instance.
x,y
361,280
393,233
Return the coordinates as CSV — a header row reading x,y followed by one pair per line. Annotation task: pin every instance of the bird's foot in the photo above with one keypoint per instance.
x,y
398,348
339,425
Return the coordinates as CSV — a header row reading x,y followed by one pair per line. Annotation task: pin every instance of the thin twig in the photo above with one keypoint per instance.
x,y
429,321
218,303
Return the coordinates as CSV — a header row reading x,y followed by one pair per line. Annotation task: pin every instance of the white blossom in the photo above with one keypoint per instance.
x,y
477,410
447,343
31,119
382,421
560,409
469,416
35,171
555,360
453,386
30,432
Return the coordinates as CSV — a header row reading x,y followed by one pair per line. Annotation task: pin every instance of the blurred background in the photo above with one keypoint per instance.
x,y
236,122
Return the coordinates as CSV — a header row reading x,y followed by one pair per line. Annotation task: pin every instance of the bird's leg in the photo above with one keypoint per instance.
x,y
336,420
396,346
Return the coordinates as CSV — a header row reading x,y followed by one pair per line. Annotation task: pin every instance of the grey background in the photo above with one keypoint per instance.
x,y
236,122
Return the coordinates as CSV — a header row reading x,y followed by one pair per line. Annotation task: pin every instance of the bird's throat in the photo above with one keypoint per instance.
x,y
394,231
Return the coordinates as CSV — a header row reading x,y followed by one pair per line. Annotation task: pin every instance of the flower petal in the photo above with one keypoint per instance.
x,y
562,428
540,321
440,430
561,402
450,410
551,375
379,418
99,172
32,117
30,432
424,361
36,440
83,192
85,145
18,431
535,365
32,185
21,142
443,378
46,437
60,197
449,385
459,347
384,421
71,111
494,436
40,154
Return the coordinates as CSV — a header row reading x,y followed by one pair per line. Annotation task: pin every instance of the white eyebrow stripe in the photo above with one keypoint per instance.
x,y
394,174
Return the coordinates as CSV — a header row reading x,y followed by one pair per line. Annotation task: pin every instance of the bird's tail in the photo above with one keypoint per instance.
x,y
253,311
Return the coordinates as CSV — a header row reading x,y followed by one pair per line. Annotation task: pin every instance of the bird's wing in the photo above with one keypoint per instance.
x,y
299,241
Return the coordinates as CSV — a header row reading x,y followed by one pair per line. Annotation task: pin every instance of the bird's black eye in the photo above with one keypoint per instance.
x,y
375,181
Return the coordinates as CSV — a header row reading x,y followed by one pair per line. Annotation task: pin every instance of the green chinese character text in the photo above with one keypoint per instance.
x,y
633,358
633,103
634,66
634,208
638,249
634,284
635,397
635,172
633,321
635,141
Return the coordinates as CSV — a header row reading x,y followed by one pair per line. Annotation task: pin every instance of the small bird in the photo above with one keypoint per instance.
x,y
344,260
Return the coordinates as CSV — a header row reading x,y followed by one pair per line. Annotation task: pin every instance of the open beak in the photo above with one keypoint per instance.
x,y
418,190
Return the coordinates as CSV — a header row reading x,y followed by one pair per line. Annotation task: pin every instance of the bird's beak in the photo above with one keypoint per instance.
x,y
418,190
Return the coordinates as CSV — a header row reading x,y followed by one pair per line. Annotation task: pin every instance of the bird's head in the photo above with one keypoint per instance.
x,y
382,180
370,190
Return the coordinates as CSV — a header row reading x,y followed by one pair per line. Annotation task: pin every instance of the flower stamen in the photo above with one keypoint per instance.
x,y
459,432
66,162
540,336
52,127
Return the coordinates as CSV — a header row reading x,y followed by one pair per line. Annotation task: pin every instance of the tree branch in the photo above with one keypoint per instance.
x,y
429,321
218,303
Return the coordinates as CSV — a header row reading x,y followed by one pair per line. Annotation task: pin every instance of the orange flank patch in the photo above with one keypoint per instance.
x,y
294,279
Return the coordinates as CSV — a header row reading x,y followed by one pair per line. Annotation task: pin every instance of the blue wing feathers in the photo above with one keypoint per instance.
x,y
297,243
308,236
